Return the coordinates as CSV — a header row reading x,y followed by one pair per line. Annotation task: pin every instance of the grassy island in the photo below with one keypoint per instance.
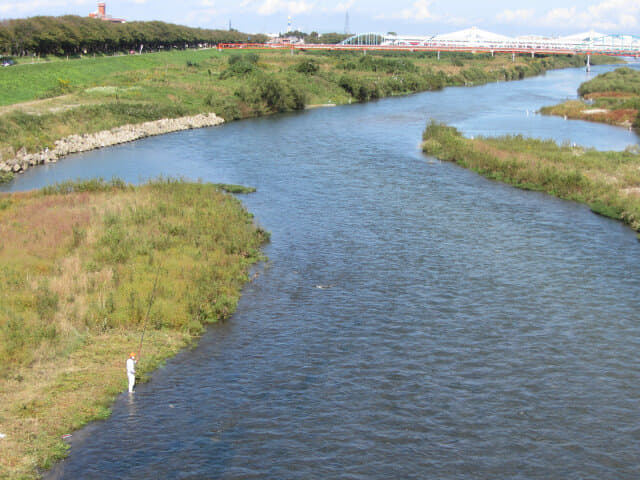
x,y
78,265
47,101
609,182
612,97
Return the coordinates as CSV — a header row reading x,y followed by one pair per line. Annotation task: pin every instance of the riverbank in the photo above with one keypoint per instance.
x,y
609,182
87,97
91,141
79,263
612,98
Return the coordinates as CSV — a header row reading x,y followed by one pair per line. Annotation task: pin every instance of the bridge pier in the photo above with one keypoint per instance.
x,y
588,62
438,54
533,54
513,57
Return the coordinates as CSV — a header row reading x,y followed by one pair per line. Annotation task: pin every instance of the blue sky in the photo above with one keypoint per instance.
x,y
415,17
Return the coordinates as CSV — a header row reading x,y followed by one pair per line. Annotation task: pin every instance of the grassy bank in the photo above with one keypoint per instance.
x,y
612,97
78,264
609,182
46,102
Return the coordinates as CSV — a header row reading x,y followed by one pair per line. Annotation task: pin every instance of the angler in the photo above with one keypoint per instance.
x,y
131,370
133,358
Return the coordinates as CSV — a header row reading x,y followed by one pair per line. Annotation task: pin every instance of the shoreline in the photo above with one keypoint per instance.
x,y
33,131
71,370
579,110
607,182
611,98
105,138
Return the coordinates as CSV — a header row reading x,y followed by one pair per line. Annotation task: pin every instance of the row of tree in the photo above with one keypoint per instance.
x,y
73,35
315,37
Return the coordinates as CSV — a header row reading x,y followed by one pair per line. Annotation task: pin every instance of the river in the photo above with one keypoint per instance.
x,y
414,319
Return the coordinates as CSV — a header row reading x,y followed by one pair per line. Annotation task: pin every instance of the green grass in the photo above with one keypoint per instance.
x,y
609,182
89,95
6,177
622,79
616,93
40,80
78,263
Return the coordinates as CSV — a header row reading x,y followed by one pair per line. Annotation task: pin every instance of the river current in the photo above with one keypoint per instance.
x,y
414,319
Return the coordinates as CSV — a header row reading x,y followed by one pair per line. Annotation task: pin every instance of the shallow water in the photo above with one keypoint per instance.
x,y
465,329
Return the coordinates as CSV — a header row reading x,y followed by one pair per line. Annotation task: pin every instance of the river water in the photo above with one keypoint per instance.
x,y
414,320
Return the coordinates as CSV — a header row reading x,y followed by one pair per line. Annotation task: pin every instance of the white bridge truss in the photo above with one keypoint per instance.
x,y
474,39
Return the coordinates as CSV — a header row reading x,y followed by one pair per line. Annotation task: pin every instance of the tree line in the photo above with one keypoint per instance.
x,y
315,37
75,35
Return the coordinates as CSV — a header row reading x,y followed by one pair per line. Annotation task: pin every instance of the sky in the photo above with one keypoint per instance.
x,y
408,17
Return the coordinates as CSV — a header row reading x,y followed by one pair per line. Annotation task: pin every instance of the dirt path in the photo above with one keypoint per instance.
x,y
46,105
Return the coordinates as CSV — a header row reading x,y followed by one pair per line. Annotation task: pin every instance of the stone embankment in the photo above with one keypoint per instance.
x,y
90,141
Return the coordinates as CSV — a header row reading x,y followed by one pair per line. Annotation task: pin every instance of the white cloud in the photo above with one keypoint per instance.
x,y
204,17
269,7
343,6
420,10
515,16
617,16
614,8
560,16
34,6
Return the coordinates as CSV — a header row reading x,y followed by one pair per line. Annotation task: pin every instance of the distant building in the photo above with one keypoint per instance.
x,y
101,13
279,39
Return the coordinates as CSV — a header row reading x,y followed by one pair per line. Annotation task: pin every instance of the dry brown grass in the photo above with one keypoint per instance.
x,y
595,95
48,399
57,380
578,110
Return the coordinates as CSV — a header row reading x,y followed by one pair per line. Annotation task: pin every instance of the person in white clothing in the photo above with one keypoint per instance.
x,y
131,370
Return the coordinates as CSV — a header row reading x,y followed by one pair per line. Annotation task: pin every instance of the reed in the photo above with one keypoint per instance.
x,y
609,182
78,261
612,97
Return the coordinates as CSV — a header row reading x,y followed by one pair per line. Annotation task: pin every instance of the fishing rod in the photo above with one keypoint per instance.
x,y
146,319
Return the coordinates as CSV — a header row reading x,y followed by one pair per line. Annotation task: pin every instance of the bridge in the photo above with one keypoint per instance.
x,y
475,40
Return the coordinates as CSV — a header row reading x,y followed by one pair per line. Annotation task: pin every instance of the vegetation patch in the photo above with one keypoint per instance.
x,y
612,97
606,181
78,263
93,94
76,36
6,177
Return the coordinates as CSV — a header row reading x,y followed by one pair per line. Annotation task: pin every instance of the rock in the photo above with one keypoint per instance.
x,y
105,138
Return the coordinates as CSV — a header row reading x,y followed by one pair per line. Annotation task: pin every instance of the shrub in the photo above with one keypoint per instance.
x,y
307,66
46,302
361,89
238,69
6,177
268,93
250,57
622,79
225,107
